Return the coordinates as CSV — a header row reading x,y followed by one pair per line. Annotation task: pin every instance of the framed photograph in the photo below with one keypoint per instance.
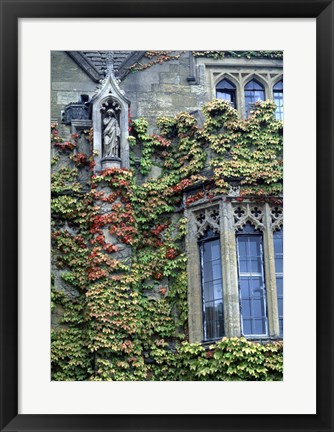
x,y
161,229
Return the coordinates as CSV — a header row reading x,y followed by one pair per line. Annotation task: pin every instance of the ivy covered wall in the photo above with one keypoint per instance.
x,y
119,281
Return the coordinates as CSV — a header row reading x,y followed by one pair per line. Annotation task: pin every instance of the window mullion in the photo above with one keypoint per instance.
x,y
194,283
230,271
270,276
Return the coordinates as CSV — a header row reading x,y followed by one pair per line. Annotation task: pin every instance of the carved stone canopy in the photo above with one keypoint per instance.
x,y
111,134
109,96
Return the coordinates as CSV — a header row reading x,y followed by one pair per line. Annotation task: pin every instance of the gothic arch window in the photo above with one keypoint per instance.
x,y
235,270
278,99
254,92
226,90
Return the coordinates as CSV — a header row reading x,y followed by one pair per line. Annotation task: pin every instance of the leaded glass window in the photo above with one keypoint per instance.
x,y
278,249
253,311
278,99
254,92
235,270
212,287
227,91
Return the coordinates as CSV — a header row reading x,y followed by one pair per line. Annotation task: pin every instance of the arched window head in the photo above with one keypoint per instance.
x,y
227,91
254,92
278,99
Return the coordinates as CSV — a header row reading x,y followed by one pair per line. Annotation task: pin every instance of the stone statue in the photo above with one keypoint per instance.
x,y
111,134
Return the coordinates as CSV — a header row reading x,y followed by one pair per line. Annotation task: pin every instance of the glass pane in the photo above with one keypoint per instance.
x,y
209,320
217,290
213,320
247,327
280,307
281,327
255,265
207,271
278,243
212,289
278,85
258,95
259,326
243,264
225,84
279,286
258,308
254,85
208,293
211,250
228,95
254,247
278,249
257,286
211,270
254,92
242,244
251,283
224,95
215,249
278,99
246,309
279,264
244,283
216,269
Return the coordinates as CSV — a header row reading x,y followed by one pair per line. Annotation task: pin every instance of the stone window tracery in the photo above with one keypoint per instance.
x,y
207,218
247,212
243,89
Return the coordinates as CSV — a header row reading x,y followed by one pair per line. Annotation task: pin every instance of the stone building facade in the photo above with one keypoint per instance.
x,y
232,221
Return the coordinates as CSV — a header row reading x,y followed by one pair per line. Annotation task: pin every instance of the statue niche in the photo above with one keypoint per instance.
x,y
110,109
111,134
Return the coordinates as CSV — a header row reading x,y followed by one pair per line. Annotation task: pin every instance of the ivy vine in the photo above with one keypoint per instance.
x,y
119,286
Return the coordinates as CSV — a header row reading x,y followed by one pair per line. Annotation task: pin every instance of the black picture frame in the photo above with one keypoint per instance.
x,y
11,11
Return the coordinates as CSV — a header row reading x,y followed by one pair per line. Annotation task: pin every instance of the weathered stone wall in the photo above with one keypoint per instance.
x,y
68,82
164,89
188,83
